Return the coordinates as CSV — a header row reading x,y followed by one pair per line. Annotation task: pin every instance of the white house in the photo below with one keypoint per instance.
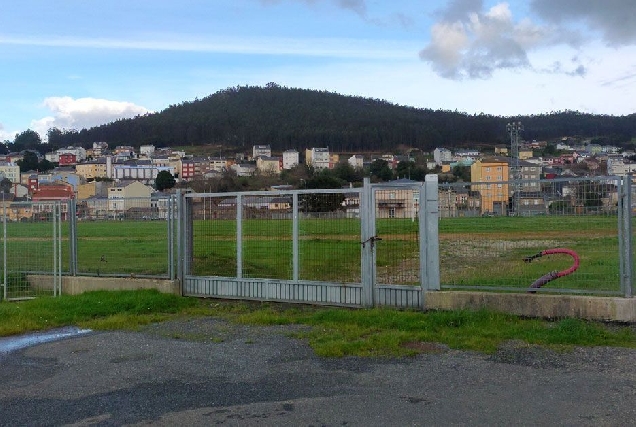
x,y
356,161
290,159
441,155
317,157
261,151
146,150
78,152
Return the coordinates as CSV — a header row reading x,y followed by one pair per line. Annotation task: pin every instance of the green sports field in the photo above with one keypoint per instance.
x,y
473,251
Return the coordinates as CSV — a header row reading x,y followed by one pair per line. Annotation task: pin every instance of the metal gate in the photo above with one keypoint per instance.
x,y
369,246
32,249
402,241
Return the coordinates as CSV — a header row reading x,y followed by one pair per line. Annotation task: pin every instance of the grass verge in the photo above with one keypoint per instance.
x,y
333,332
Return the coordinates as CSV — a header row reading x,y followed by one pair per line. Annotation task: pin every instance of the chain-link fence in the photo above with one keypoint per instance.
x,y
255,236
34,248
397,230
126,236
488,230
489,234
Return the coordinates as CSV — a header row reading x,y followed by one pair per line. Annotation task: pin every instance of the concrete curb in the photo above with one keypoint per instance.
x,y
615,309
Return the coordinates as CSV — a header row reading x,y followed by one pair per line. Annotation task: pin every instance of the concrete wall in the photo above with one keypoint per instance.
x,y
614,309
533,305
75,285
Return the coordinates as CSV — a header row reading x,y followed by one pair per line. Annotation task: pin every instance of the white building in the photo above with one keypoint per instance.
x,y
261,151
218,164
139,172
78,152
442,155
619,168
99,148
52,157
244,169
146,150
317,157
291,158
356,161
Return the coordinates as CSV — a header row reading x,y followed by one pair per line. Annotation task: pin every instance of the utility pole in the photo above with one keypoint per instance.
x,y
514,129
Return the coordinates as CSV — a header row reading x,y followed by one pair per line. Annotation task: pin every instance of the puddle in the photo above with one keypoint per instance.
x,y
13,343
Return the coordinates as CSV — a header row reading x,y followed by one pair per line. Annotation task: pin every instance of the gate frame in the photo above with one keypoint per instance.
x,y
365,294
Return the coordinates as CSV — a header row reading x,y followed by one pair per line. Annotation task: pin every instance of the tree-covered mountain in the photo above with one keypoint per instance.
x,y
288,118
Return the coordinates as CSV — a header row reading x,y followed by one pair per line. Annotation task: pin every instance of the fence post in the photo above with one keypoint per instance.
x,y
625,237
184,238
5,277
429,236
239,236
295,237
170,220
58,273
72,236
367,231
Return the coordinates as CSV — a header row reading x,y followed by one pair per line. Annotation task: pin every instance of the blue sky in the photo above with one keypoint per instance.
x,y
81,63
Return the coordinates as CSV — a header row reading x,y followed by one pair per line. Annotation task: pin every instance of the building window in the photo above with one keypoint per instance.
x,y
487,169
391,212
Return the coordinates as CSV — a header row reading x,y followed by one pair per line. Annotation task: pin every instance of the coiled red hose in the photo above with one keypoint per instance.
x,y
553,274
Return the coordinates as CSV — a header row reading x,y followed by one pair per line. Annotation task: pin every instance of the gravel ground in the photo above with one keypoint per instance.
x,y
209,372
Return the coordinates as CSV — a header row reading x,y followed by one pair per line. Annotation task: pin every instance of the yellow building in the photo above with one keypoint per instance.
x,y
490,177
269,165
91,170
525,153
93,189
11,171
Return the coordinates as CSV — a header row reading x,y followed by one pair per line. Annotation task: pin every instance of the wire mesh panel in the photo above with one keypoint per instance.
x,y
489,239
35,248
267,236
127,236
214,235
397,225
329,236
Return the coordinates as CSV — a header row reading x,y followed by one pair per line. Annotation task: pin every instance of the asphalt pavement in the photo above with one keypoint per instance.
x,y
208,372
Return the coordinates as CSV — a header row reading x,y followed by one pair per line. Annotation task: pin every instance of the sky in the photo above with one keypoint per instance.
x,y
74,64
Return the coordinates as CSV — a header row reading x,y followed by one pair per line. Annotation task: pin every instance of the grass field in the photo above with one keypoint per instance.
x,y
331,332
473,251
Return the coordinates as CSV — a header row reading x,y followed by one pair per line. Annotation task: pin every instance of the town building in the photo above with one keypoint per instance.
x,y
291,159
490,177
318,158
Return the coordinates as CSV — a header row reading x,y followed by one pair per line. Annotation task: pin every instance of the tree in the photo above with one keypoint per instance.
x,y
462,173
164,181
27,140
29,162
380,170
45,166
5,185
411,170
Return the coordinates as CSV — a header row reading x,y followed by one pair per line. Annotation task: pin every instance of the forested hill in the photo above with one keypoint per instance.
x,y
297,119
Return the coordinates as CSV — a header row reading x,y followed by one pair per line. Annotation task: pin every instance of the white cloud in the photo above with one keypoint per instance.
x,y
4,135
493,39
70,113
